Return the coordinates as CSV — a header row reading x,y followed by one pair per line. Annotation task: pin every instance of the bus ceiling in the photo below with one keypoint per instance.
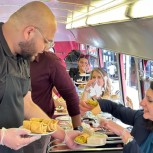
x,y
108,24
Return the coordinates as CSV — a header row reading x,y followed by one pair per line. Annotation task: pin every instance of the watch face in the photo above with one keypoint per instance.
x,y
80,128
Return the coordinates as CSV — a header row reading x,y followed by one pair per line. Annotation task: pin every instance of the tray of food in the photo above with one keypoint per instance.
x,y
94,140
39,126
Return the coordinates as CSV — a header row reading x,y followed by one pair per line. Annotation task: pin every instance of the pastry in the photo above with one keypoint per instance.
x,y
35,126
82,138
96,140
92,102
40,126
51,124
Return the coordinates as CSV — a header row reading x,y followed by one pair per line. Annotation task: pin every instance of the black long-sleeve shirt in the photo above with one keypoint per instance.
x,y
131,117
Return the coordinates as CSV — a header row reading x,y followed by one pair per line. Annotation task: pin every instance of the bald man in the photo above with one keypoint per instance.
x,y
29,31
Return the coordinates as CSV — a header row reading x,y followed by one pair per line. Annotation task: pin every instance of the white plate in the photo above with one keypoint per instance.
x,y
80,82
89,145
60,113
34,134
84,74
60,109
63,118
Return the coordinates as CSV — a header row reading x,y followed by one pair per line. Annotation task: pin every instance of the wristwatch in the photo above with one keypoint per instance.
x,y
79,128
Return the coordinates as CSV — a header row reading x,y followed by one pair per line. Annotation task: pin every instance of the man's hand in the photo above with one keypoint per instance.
x,y
16,138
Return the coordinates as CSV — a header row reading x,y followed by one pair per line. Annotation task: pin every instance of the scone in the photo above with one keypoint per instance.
x,y
97,139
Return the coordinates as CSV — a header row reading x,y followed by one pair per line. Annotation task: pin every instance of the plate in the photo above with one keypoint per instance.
x,y
60,108
89,145
80,82
63,118
60,113
43,134
84,74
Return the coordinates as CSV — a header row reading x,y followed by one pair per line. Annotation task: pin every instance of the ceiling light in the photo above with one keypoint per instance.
x,y
142,8
116,14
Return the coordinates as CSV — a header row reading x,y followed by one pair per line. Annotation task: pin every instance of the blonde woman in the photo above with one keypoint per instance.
x,y
97,86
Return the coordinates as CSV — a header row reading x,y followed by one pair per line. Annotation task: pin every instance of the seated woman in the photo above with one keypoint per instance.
x,y
83,68
98,85
140,139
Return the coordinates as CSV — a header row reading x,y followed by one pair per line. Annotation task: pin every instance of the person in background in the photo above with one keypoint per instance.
x,y
83,68
58,99
98,85
26,33
129,102
112,70
47,73
140,139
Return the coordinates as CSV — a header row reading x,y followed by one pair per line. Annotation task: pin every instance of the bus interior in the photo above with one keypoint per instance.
x,y
116,34
124,41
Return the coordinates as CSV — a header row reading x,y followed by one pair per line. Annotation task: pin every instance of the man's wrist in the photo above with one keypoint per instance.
x,y
79,128
3,130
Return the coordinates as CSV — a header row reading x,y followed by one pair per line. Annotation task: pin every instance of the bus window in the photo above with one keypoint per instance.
x,y
130,81
146,73
93,58
149,69
110,65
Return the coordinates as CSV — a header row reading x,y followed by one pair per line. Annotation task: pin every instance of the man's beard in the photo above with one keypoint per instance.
x,y
28,50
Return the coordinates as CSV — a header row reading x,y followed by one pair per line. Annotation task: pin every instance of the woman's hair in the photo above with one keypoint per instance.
x,y
83,56
107,84
149,122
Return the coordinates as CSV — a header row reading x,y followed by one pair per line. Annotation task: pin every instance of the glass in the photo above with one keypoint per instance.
x,y
50,43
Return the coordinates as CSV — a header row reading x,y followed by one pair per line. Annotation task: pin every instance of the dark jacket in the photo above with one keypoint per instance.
x,y
130,117
132,147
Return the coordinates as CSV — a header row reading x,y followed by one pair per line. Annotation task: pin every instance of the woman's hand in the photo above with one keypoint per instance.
x,y
16,138
129,102
90,83
110,125
117,129
84,107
